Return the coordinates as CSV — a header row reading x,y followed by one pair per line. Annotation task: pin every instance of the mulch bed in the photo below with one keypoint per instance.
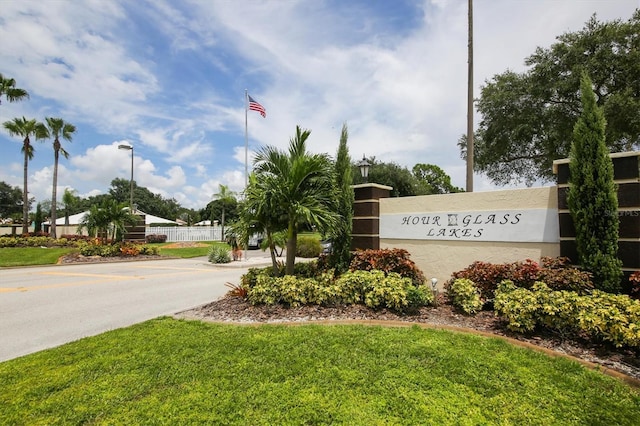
x,y
237,310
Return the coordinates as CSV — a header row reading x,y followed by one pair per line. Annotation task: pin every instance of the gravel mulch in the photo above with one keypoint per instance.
x,y
230,309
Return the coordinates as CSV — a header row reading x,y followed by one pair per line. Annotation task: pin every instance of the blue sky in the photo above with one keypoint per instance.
x,y
169,78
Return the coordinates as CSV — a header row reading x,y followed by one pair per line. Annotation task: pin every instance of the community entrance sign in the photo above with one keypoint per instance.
x,y
525,225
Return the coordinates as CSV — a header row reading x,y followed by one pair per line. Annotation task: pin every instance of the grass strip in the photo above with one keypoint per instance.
x,y
168,371
28,256
188,252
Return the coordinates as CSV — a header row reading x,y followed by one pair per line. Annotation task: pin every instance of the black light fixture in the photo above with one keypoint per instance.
x,y
364,168
129,148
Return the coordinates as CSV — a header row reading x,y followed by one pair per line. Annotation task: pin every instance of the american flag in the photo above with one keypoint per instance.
x,y
255,106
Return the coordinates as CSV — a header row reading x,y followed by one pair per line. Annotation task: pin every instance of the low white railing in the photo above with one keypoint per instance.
x,y
187,233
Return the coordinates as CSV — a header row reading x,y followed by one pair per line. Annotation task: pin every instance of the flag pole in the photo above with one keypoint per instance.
x,y
246,139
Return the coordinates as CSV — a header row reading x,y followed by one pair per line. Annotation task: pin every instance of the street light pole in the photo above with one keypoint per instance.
x,y
129,148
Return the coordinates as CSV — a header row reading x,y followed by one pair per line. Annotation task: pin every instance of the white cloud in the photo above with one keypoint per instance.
x,y
400,88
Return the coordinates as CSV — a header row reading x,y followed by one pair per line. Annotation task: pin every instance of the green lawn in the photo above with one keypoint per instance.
x,y
187,252
25,256
167,371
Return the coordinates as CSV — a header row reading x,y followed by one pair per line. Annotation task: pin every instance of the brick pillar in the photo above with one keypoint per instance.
x,y
626,174
366,215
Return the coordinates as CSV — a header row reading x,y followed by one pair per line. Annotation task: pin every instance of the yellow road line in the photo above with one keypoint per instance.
x,y
59,285
101,278
178,269
67,274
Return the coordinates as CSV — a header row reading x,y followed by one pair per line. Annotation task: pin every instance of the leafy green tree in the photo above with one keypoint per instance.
x,y
226,197
107,220
58,128
592,197
70,201
10,200
433,179
403,182
340,234
301,184
9,90
190,216
213,211
145,200
26,129
528,118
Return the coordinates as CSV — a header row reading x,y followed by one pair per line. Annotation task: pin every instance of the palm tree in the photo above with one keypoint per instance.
x,y
26,129
299,184
9,90
107,220
58,128
259,212
225,196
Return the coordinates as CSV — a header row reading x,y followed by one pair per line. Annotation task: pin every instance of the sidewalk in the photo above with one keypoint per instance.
x,y
257,258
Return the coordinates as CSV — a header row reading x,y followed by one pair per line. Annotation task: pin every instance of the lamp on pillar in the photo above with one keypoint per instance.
x,y
129,148
364,168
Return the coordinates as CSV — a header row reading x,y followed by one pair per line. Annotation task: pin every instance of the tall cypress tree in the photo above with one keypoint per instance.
x,y
592,197
341,235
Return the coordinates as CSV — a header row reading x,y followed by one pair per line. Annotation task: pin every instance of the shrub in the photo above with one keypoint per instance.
x,y
149,250
374,289
76,237
517,305
129,249
558,274
219,254
634,279
308,246
156,238
465,295
555,272
9,241
485,276
387,261
597,316
95,248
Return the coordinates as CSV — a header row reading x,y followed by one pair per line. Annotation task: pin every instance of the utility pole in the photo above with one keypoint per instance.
x,y
470,104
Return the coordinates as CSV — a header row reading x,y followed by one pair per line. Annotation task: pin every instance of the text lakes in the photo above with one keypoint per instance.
x,y
454,225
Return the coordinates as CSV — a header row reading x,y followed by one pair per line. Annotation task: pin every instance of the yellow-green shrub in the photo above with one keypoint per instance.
x,y
465,295
373,288
599,315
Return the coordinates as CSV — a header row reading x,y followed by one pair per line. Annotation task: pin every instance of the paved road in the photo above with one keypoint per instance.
x,y
43,307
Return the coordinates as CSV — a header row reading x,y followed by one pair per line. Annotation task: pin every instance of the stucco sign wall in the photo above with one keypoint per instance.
x,y
525,225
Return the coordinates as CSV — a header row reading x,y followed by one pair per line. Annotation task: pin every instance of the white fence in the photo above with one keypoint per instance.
x,y
187,233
